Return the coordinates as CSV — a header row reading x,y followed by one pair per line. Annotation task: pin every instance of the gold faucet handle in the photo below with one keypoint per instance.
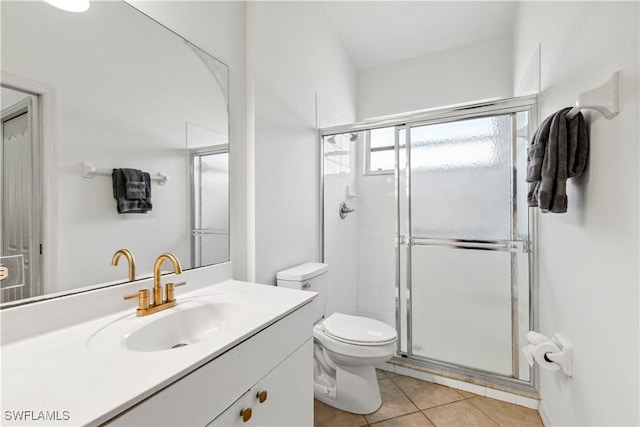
x,y
143,298
169,290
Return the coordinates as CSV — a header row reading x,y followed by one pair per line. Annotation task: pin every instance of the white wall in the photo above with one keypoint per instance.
x,y
588,257
468,73
218,27
294,55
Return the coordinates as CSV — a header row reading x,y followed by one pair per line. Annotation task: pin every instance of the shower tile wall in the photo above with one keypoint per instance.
x,y
376,251
340,235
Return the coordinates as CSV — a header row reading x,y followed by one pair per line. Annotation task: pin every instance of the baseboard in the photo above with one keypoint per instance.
x,y
545,415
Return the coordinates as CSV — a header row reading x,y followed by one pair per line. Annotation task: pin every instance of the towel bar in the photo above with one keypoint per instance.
x,y
603,99
89,171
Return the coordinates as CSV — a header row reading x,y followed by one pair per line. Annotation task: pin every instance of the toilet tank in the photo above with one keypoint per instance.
x,y
311,276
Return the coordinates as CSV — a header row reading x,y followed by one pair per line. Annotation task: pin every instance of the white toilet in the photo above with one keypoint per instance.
x,y
346,348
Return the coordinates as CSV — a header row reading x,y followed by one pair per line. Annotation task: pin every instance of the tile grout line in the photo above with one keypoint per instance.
x,y
437,406
490,417
405,394
422,411
399,416
427,417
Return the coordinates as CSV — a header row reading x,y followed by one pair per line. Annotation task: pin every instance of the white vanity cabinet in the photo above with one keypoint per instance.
x,y
287,397
277,359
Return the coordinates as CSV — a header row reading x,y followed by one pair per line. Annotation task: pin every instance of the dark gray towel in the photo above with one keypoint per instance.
x,y
578,140
132,190
136,190
558,151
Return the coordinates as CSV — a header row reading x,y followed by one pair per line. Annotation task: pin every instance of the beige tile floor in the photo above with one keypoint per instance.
x,y
409,402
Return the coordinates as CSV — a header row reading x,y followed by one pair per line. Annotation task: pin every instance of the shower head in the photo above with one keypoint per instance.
x,y
353,136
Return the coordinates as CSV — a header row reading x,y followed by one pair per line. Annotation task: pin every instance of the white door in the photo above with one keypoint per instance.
x,y
20,231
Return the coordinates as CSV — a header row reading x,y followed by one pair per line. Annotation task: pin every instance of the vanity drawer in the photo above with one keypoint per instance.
x,y
287,399
203,394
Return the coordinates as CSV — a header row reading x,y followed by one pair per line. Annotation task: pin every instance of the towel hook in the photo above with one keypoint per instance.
x,y
603,99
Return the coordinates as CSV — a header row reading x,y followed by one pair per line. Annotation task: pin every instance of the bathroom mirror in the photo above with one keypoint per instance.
x,y
82,94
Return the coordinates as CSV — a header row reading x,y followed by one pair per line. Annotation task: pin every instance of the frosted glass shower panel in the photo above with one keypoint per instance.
x,y
461,179
403,251
210,217
521,270
521,227
461,307
215,215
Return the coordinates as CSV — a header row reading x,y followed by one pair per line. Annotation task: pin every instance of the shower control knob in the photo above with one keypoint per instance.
x,y
344,210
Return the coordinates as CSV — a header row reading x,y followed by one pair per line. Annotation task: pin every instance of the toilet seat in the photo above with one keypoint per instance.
x,y
354,354
358,330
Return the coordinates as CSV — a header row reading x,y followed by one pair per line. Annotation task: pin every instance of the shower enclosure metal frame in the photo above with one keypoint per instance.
x,y
437,116
196,231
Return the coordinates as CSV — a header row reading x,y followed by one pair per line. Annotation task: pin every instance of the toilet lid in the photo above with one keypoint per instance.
x,y
358,329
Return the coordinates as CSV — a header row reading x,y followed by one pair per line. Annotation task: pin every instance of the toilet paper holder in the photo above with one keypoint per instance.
x,y
565,357
562,357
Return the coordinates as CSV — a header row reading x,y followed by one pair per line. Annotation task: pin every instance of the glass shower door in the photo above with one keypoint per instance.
x,y
210,212
465,229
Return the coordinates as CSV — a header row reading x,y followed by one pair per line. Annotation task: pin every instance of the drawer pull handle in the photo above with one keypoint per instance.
x,y
262,396
246,414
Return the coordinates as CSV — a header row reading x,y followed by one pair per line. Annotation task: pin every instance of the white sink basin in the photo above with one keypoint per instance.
x,y
183,327
189,322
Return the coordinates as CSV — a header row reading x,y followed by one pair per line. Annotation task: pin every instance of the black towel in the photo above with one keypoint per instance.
x,y
132,190
558,151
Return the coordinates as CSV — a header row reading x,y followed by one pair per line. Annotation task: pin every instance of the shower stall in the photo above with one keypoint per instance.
x,y
426,227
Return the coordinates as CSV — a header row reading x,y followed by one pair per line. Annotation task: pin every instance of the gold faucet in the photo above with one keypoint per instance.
x,y
145,306
132,262
157,286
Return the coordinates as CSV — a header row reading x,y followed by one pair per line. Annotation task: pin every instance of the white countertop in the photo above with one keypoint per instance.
x,y
83,381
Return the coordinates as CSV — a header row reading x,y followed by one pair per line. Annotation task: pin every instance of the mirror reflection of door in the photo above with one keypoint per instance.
x,y
210,210
20,197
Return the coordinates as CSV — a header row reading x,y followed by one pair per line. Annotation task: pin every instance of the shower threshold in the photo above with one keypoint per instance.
x,y
450,375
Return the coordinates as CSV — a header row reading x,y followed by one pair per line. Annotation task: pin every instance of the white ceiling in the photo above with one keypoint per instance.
x,y
379,32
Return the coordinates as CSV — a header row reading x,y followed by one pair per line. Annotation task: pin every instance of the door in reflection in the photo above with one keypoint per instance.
x,y
20,198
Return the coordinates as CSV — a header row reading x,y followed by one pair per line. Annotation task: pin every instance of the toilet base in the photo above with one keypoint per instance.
x,y
356,389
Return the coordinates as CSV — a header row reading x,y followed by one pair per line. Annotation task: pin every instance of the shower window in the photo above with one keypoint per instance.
x,y
379,151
